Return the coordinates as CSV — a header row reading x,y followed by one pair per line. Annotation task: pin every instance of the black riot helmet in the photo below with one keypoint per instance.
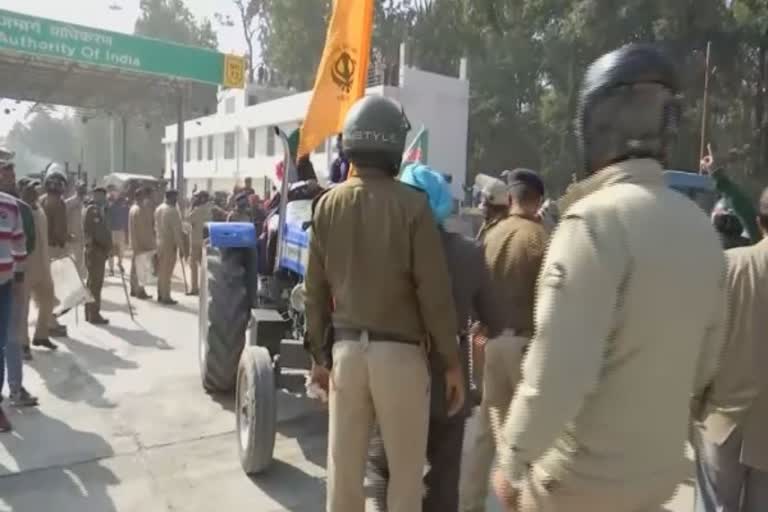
x,y
374,133
628,106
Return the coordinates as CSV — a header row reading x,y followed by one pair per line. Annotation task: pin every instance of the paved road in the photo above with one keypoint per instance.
x,y
125,427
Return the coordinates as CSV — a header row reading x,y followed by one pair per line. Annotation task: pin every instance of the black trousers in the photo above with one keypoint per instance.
x,y
444,448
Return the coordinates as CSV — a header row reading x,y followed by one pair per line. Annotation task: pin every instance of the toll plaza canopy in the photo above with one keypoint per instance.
x,y
60,63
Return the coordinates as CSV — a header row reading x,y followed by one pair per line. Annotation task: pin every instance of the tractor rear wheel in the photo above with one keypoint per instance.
x,y
224,314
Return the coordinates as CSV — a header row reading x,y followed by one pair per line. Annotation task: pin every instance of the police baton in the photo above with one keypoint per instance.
x,y
125,289
183,272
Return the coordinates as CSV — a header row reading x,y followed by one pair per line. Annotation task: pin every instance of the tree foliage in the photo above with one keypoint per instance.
x,y
527,59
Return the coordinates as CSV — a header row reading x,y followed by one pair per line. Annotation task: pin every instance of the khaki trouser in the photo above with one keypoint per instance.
x,y
195,257
539,493
388,381
37,286
118,249
77,249
501,374
166,262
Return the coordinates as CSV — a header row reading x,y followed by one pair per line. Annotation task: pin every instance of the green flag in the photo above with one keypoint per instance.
x,y
418,150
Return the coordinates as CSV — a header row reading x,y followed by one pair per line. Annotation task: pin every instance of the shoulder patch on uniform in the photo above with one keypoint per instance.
x,y
554,275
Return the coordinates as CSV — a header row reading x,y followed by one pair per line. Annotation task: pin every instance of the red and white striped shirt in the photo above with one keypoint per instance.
x,y
13,250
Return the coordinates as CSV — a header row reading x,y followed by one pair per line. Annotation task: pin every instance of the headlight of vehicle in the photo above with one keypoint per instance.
x,y
298,297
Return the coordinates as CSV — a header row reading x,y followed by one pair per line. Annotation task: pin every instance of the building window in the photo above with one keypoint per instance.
x,y
188,150
251,142
229,146
229,106
210,147
252,100
199,148
270,142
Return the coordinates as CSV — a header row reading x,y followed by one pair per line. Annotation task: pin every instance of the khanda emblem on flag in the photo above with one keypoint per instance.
x,y
343,71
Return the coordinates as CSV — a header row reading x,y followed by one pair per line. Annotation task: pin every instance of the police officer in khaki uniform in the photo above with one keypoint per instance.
x,y
377,284
514,248
53,204
630,312
731,417
169,243
98,244
141,235
76,245
38,282
494,202
200,214
242,209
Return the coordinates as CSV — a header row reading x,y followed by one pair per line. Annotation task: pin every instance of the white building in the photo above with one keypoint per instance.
x,y
236,142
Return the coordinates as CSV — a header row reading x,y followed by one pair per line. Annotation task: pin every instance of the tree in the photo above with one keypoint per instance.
x,y
172,20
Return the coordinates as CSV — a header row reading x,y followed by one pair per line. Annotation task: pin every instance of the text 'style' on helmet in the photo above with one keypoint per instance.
x,y
374,133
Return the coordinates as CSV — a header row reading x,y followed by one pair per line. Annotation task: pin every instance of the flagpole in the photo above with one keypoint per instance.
x,y
704,103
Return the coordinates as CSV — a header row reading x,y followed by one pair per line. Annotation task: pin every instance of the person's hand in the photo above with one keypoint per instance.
x,y
504,490
478,329
321,376
454,389
707,164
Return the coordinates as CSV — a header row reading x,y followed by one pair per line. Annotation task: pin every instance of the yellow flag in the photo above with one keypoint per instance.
x,y
341,77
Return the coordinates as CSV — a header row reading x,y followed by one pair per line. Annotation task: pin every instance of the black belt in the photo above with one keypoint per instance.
x,y
352,334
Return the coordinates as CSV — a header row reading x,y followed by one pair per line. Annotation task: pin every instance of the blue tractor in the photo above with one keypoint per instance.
x,y
251,327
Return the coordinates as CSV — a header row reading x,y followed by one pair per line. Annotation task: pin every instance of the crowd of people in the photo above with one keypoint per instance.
x,y
45,221
618,327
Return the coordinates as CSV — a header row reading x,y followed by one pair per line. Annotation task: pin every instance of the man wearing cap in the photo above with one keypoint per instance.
x,y
75,205
199,215
494,202
117,212
141,235
169,243
514,249
98,244
242,210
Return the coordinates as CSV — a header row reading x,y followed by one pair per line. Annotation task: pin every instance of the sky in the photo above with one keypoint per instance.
x,y
97,13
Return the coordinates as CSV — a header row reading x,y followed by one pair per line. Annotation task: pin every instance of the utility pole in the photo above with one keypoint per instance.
x,y
179,182
125,144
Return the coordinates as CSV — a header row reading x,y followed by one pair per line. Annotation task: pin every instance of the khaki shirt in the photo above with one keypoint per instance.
x,y
376,262
198,217
38,261
514,250
98,237
141,229
56,212
75,218
738,395
630,319
168,225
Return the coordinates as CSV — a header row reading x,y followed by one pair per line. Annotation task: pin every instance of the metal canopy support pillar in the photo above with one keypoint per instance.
x,y
180,182
112,156
125,144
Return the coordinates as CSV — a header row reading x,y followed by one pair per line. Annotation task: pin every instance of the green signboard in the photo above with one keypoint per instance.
x,y
48,38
